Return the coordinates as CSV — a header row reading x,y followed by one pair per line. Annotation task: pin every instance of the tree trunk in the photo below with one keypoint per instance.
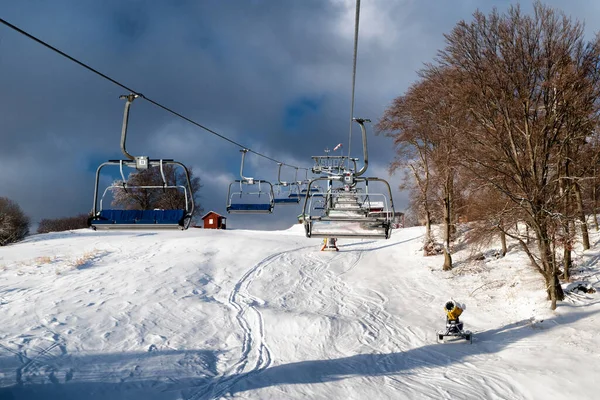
x,y
567,262
447,260
447,230
427,226
447,212
595,202
566,226
553,287
447,224
503,241
451,212
554,290
585,237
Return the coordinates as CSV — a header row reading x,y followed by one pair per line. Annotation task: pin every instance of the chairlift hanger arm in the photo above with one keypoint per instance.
x,y
361,122
130,97
243,178
279,181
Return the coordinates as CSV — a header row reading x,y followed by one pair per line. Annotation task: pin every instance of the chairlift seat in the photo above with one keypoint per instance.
x,y
148,217
323,228
121,216
287,200
136,219
250,207
169,216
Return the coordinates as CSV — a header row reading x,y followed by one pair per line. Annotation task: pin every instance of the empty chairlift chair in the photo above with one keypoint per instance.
x,y
255,196
285,192
158,219
154,219
350,212
306,191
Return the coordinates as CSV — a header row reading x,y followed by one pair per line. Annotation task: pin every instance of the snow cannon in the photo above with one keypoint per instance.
x,y
454,327
453,310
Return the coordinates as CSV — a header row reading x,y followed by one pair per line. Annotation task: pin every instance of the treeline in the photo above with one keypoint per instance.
x,y
501,129
14,224
63,224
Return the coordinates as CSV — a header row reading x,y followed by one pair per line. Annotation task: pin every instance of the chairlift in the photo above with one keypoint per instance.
x,y
286,192
255,196
349,211
112,219
306,191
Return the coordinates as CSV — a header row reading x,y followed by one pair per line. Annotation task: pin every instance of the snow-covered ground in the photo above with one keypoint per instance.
x,y
204,314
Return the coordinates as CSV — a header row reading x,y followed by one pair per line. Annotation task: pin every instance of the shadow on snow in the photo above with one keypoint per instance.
x,y
172,374
429,356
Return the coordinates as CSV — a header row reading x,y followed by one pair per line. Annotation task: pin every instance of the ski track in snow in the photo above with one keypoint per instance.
x,y
334,299
340,304
255,352
43,359
379,326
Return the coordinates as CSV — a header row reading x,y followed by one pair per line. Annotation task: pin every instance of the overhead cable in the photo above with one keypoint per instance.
x,y
156,103
356,18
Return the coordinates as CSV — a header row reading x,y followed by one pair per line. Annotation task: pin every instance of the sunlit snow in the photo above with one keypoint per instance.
x,y
207,314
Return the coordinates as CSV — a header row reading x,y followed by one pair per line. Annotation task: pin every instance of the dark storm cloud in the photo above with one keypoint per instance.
x,y
272,75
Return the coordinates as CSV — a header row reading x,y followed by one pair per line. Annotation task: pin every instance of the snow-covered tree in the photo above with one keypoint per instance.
x,y
14,224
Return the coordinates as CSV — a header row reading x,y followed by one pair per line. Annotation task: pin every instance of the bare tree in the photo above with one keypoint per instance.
x,y
424,124
132,198
14,224
524,80
412,154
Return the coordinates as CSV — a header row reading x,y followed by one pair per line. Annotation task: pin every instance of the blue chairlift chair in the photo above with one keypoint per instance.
x,y
156,219
180,218
255,196
286,192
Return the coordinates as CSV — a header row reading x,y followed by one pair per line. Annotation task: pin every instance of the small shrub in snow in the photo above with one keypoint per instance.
x,y
432,248
14,224
43,260
84,259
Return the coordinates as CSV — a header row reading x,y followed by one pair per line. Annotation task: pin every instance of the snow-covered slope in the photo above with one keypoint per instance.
x,y
204,314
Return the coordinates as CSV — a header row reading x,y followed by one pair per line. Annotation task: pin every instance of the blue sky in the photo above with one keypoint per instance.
x,y
272,75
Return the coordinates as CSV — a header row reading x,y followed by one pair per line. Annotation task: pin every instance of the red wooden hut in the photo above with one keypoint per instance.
x,y
212,220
